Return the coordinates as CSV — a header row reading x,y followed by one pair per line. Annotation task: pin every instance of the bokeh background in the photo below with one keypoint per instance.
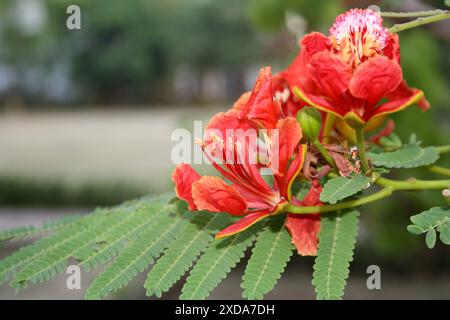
x,y
86,118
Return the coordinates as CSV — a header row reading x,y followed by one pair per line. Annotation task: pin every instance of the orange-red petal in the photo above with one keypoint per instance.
x,y
374,78
289,135
331,74
403,91
304,229
396,105
244,223
261,105
213,194
184,176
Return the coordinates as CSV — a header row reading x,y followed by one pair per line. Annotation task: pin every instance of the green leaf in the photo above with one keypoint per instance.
x,y
410,156
340,188
392,141
138,255
115,239
430,221
272,251
215,264
47,227
182,253
337,237
430,238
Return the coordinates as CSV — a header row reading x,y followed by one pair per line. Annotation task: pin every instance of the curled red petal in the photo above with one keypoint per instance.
x,y
313,43
243,224
184,176
396,105
374,78
289,135
261,105
321,103
331,74
213,194
403,91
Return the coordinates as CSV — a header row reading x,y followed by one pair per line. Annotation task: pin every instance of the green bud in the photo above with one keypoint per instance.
x,y
310,121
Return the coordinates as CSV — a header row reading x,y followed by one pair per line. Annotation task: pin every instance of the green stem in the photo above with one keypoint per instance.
x,y
414,14
362,149
443,149
383,193
420,21
325,153
390,186
413,184
439,170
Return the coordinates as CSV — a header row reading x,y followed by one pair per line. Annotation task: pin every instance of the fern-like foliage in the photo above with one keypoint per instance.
x,y
215,264
25,255
341,187
28,231
138,255
182,253
410,156
111,242
337,237
272,251
430,221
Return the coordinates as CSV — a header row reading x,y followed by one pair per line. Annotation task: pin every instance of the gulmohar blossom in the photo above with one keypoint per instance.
x,y
354,73
248,194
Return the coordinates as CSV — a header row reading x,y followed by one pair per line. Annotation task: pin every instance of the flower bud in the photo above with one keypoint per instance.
x,y
310,121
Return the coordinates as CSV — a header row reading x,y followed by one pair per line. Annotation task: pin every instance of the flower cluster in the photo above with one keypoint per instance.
x,y
352,76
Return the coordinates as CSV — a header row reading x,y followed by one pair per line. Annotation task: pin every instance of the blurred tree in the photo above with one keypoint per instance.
x,y
127,51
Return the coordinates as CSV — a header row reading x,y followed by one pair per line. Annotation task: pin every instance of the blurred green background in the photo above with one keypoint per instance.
x,y
86,115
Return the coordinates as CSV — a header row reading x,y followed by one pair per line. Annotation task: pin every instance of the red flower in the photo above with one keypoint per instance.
x,y
229,147
248,195
352,70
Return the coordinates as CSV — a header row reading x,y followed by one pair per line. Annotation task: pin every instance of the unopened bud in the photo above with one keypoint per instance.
x,y
310,121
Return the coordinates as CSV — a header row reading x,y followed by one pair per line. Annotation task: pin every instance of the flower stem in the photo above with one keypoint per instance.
x,y
443,149
420,21
362,149
439,170
325,153
389,187
383,193
413,184
414,14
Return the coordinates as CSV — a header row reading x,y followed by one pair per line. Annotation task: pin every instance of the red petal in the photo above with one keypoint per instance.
x,y
289,135
321,103
313,43
396,105
374,78
304,229
403,91
213,194
294,169
261,105
242,224
184,176
331,74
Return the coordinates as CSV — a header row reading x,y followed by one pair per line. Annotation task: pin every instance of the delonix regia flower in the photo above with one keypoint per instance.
x,y
248,194
354,72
